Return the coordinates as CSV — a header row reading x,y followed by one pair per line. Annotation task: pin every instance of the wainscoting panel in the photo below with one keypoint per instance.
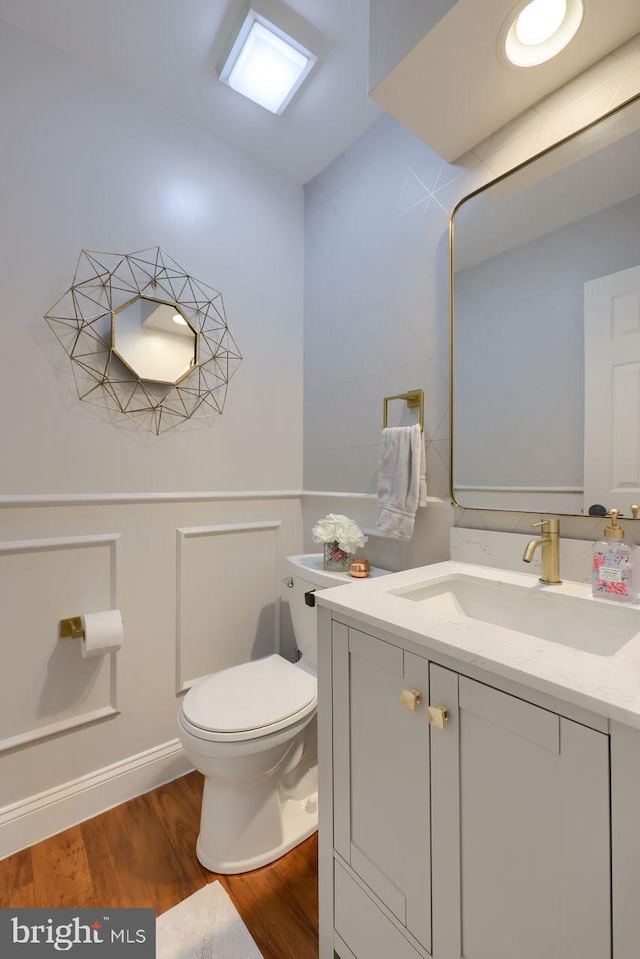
x,y
228,597
68,748
49,687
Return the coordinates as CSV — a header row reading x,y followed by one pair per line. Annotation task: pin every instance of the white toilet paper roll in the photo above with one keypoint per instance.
x,y
103,632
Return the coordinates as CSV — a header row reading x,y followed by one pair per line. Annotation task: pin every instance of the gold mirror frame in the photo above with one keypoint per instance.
x,y
82,321
611,115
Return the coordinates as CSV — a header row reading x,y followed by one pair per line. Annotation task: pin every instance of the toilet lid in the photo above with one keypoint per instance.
x,y
249,696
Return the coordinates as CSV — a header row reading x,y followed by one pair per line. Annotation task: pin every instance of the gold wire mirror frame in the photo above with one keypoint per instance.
x,y
82,321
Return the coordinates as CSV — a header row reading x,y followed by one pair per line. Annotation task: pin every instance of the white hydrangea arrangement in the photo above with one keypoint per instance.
x,y
339,530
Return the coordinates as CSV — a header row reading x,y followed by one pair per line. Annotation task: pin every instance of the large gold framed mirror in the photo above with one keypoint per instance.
x,y
145,339
545,329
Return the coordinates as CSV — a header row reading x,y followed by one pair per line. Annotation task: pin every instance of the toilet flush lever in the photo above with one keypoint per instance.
x,y
310,598
289,582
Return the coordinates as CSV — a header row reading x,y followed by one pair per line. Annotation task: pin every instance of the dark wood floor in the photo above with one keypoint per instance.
x,y
142,853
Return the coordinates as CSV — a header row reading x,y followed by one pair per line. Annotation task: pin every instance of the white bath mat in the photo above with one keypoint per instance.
x,y
204,926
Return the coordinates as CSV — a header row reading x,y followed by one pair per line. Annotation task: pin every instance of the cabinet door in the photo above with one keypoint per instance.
x,y
381,774
520,804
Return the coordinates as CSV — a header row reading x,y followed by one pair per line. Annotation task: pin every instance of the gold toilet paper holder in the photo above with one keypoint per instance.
x,y
71,628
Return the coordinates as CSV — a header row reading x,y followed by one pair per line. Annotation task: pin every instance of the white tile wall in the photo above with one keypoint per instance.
x,y
375,324
376,310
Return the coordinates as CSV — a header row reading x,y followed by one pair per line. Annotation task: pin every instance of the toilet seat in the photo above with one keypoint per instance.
x,y
249,701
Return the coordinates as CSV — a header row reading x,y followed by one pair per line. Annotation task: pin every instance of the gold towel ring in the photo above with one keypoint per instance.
x,y
413,398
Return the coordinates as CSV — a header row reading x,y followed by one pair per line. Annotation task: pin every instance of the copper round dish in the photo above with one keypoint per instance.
x,y
360,568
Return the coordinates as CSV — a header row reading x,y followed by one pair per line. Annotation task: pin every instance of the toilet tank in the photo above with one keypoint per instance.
x,y
304,574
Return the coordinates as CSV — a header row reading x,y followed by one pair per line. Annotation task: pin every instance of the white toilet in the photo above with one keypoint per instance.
x,y
251,731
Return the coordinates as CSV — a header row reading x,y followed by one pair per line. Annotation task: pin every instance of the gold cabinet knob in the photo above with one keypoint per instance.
x,y
438,716
410,698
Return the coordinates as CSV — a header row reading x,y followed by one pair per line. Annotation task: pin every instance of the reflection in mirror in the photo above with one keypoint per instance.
x,y
546,329
155,340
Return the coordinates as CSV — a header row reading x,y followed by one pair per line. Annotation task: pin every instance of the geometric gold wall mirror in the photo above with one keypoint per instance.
x,y
145,339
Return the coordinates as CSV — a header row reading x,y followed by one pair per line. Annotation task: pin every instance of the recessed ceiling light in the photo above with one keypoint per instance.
x,y
179,319
539,30
266,64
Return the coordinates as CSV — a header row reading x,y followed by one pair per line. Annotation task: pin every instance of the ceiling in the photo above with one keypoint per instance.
x,y
450,89
456,71
168,51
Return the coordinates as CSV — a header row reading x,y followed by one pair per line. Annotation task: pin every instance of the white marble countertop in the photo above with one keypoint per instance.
x,y
607,682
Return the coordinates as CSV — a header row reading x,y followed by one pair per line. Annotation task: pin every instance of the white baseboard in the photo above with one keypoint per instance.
x,y
29,821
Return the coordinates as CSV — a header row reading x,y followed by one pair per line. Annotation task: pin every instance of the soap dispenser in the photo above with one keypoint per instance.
x,y
614,573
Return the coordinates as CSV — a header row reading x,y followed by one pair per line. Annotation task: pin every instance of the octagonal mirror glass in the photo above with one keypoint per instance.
x,y
155,340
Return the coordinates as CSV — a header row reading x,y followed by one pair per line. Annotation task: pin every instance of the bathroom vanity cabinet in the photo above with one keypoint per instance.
x,y
507,833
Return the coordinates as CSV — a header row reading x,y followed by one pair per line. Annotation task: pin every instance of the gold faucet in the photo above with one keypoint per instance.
x,y
549,543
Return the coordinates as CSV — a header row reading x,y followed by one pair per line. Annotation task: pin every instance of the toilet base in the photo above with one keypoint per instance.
x,y
299,820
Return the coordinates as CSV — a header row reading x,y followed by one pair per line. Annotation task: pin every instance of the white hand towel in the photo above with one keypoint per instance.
x,y
401,480
422,493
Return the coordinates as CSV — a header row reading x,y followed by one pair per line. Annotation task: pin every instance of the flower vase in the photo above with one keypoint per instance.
x,y
336,559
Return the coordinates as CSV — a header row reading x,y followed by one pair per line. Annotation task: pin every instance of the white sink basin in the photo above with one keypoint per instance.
x,y
577,622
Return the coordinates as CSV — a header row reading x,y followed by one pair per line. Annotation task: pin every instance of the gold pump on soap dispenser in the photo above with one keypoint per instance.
x,y
614,573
